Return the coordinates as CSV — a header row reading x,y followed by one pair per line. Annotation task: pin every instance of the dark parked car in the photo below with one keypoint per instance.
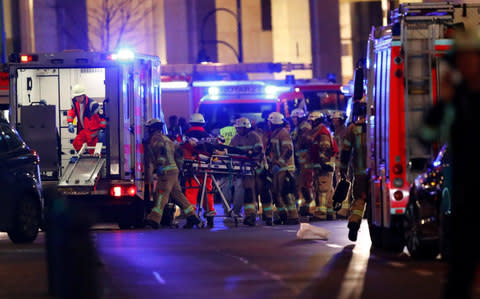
x,y
428,215
21,201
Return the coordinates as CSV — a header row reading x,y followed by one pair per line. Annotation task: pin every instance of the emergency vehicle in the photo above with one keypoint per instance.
x,y
324,96
403,66
226,100
127,88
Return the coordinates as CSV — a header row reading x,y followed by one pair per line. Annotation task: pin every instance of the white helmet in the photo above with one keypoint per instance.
x,y
338,114
78,90
154,124
276,118
197,118
243,122
314,115
298,112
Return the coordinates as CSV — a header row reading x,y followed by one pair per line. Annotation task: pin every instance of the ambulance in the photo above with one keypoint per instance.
x,y
109,177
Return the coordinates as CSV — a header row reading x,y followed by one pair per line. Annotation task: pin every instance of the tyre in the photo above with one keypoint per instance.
x,y
26,222
419,246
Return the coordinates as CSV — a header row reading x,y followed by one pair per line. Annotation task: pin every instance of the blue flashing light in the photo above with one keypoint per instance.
x,y
213,91
271,91
124,55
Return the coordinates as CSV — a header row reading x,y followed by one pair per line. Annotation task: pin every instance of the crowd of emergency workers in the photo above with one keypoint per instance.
x,y
298,162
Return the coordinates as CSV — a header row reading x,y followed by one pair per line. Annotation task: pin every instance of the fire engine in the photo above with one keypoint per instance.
x,y
226,100
403,67
127,88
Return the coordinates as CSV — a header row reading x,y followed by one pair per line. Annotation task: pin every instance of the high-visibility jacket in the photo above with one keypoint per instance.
x,y
228,133
280,150
163,153
302,143
250,142
355,143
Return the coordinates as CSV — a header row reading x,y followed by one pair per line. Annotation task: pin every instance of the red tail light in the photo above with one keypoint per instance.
x,y
398,195
397,169
119,190
132,190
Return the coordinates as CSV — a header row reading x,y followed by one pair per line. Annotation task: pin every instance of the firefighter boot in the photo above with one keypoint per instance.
x,y
209,216
250,220
268,221
193,220
353,228
282,218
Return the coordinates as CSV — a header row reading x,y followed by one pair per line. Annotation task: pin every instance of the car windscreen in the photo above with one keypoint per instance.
x,y
320,100
218,115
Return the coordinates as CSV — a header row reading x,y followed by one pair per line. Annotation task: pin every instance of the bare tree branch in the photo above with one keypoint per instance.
x,y
114,19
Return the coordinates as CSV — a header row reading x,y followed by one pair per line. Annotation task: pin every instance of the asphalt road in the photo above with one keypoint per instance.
x,y
232,262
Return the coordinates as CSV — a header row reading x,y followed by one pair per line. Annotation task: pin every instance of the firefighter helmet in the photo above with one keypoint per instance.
x,y
78,90
359,108
243,122
197,118
276,118
154,124
339,114
298,112
314,115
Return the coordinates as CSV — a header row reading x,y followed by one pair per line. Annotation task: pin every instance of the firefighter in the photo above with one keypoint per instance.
x,y
302,140
355,145
250,142
455,119
280,153
90,125
322,151
195,134
339,133
162,153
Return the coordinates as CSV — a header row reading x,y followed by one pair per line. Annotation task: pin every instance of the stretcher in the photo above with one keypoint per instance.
x,y
214,166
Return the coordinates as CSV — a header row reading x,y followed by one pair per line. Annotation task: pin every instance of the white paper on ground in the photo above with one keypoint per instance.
x,y
311,232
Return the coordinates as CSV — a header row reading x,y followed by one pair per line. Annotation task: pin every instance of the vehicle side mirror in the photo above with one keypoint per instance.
x,y
358,84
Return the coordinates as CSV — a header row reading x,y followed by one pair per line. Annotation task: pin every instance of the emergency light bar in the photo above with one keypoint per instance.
x,y
123,55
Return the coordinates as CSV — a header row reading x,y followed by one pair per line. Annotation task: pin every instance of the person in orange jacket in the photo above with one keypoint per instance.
x,y
194,134
90,124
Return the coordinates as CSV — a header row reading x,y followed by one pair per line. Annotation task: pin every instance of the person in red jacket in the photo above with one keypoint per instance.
x,y
90,124
195,134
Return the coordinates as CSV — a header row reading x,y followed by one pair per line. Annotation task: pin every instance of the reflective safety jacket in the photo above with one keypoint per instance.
x,y
280,150
355,143
90,119
250,142
228,133
164,154
302,142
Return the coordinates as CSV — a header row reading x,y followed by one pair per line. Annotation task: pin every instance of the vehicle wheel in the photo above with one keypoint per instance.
x,y
393,240
26,220
375,236
418,246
